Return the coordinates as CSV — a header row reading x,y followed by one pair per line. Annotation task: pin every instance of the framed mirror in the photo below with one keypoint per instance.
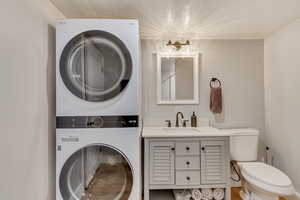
x,y
177,79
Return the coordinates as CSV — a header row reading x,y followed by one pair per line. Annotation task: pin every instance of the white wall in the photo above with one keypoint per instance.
x,y
237,63
282,98
27,77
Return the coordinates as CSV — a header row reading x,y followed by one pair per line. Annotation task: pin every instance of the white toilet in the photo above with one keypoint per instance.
x,y
259,180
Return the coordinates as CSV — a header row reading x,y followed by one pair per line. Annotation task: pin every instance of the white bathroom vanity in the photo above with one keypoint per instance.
x,y
185,158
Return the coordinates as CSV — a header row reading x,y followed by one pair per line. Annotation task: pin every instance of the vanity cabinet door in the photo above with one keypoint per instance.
x,y
213,167
162,163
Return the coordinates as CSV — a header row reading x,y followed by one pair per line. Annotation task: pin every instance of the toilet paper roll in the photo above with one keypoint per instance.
x,y
218,194
207,194
196,194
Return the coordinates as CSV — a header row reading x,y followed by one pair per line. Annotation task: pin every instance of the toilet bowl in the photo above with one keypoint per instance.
x,y
264,181
259,180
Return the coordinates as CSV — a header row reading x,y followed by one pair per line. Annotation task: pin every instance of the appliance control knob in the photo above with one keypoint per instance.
x,y
98,122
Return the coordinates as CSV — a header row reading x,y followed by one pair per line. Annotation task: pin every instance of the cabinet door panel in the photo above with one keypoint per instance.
x,y
213,162
161,163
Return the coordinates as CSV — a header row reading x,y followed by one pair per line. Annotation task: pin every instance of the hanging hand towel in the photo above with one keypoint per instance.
x,y
215,97
196,194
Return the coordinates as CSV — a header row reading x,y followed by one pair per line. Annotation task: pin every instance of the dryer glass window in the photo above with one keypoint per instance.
x,y
96,173
96,66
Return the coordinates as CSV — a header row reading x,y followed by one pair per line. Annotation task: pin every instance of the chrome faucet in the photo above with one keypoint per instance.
x,y
177,115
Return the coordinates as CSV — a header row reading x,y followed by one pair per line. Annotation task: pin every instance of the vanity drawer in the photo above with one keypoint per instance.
x,y
187,148
187,162
191,177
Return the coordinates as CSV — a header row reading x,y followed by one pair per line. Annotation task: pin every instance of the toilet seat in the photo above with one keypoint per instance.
x,y
266,177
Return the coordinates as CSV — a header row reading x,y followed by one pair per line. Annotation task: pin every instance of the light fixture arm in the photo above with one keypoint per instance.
x,y
178,44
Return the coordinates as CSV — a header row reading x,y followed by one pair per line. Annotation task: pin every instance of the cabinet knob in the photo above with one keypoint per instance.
x,y
187,148
187,162
203,148
173,148
188,178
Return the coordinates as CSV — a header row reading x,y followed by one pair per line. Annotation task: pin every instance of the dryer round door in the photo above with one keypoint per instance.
x,y
95,66
97,172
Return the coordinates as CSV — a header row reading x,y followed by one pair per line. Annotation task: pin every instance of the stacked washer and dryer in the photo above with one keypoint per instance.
x,y
97,106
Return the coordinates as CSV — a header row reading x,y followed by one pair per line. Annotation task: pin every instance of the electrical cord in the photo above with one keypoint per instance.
x,y
237,173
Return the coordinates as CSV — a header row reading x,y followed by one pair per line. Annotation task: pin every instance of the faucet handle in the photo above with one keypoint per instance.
x,y
168,123
184,122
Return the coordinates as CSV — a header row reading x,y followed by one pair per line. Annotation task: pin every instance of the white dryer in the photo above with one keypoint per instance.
x,y
97,67
98,159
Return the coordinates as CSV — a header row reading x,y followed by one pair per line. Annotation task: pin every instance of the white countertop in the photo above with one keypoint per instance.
x,y
165,132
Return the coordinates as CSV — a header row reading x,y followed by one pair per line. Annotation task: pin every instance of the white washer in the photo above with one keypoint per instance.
x,y
97,67
98,163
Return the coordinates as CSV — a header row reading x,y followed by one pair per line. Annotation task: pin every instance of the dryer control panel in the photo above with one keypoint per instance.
x,y
97,121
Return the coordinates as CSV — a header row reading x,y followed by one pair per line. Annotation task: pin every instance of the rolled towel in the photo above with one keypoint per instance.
x,y
182,194
207,194
218,194
187,194
196,194
178,194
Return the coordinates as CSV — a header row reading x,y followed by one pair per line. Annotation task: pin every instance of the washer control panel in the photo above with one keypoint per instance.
x,y
97,121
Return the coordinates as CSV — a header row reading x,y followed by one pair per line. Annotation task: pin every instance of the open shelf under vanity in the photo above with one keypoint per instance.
x,y
185,163
161,194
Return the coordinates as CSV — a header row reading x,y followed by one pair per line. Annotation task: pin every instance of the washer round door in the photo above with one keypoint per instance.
x,y
95,66
97,172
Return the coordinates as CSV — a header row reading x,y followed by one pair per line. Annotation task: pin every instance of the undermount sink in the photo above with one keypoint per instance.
x,y
182,132
181,129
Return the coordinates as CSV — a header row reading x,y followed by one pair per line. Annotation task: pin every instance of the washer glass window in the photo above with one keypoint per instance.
x,y
95,66
97,172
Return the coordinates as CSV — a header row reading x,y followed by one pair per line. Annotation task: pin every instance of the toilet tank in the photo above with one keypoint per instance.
x,y
243,144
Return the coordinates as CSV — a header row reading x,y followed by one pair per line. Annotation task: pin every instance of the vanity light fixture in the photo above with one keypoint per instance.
x,y
178,44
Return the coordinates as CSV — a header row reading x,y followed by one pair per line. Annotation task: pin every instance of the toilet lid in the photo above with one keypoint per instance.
x,y
266,174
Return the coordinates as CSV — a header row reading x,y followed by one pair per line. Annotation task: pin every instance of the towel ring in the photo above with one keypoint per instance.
x,y
214,80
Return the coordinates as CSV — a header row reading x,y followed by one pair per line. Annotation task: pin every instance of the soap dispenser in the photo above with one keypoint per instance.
x,y
193,120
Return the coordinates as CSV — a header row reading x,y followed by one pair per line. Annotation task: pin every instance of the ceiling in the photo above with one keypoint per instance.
x,y
191,19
